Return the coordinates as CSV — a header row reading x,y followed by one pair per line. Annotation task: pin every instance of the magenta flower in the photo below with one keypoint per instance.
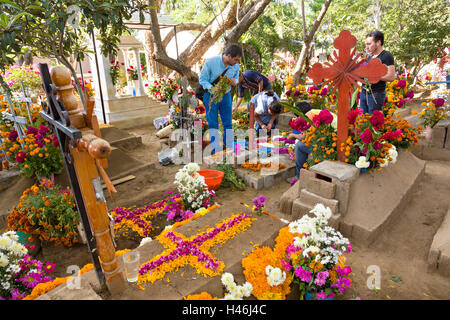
x,y
324,117
377,119
439,102
12,136
259,202
401,83
367,137
299,124
321,295
303,274
321,278
297,93
32,130
324,91
43,129
288,93
311,89
409,94
353,114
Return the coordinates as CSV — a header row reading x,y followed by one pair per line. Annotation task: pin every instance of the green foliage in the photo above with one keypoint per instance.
x,y
230,179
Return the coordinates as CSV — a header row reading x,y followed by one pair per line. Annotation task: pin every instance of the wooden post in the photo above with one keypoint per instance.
x,y
343,71
87,152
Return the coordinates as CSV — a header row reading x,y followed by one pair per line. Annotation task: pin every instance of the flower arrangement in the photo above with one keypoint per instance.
x,y
433,112
397,94
258,166
259,268
133,73
235,292
40,154
114,71
19,273
46,212
321,98
219,90
322,137
299,124
240,120
192,188
29,75
163,89
316,256
295,94
259,203
193,251
45,287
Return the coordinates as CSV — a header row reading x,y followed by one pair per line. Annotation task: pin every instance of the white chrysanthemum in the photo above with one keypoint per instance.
x,y
228,297
275,276
321,211
248,289
192,167
3,260
227,279
362,163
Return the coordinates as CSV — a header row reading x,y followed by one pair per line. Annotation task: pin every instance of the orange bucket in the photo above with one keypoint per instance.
x,y
213,178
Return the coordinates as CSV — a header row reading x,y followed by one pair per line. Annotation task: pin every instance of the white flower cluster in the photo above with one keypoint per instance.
x,y
235,292
392,153
192,187
319,238
275,276
10,248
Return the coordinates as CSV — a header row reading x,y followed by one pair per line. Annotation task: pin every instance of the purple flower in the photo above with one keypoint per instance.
x,y
321,278
13,136
43,129
32,130
259,202
303,274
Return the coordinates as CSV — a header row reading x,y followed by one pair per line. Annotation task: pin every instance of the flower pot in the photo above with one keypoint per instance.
x,y
428,132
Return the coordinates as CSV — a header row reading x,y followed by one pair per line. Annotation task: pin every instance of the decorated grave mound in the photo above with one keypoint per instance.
x,y
216,254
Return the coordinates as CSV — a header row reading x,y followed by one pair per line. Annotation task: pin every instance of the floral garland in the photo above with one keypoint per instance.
x,y
193,251
200,296
256,263
138,220
45,287
258,165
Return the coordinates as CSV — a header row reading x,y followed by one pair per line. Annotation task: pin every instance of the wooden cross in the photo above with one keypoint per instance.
x,y
27,100
19,122
344,70
177,247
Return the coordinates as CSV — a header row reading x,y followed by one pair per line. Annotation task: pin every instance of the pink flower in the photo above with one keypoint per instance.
x,y
321,295
297,93
303,274
353,114
311,89
391,135
324,91
400,103
439,102
324,117
299,124
321,278
13,136
377,119
366,136
409,94
288,93
401,83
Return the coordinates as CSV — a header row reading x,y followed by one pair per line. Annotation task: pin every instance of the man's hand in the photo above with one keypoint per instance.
x,y
233,81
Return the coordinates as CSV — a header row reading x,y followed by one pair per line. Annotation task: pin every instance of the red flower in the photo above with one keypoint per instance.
x,y
288,93
377,119
310,89
409,94
324,91
401,83
13,136
366,136
391,135
20,156
439,102
297,93
324,117
353,114
400,103
299,124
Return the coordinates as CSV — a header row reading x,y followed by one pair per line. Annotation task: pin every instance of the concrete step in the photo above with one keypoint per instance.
x,y
321,188
311,199
120,138
287,199
439,255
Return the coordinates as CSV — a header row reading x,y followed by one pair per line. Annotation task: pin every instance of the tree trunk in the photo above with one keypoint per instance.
x,y
307,43
244,24
210,34
251,50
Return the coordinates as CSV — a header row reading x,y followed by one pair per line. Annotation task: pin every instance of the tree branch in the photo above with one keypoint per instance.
x,y
180,28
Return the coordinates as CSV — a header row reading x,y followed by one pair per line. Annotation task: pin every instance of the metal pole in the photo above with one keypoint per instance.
x,y
98,77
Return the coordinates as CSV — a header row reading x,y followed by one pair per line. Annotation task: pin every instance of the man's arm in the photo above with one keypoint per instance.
x,y
272,119
203,79
257,119
390,75
260,86
238,103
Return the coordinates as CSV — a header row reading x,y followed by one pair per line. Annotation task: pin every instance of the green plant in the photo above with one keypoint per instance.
x,y
230,179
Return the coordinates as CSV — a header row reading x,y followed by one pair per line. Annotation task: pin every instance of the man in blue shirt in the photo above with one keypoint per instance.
x,y
254,81
211,70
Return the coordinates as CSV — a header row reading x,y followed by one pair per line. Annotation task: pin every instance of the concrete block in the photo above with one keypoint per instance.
x,y
269,180
321,187
438,137
336,170
9,177
288,198
439,254
299,209
312,199
305,175
343,195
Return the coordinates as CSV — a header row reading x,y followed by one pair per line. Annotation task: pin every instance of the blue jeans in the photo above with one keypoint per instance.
x,y
301,154
368,104
223,108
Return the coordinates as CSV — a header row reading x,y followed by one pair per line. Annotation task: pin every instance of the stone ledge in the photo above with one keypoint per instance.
x,y
439,255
